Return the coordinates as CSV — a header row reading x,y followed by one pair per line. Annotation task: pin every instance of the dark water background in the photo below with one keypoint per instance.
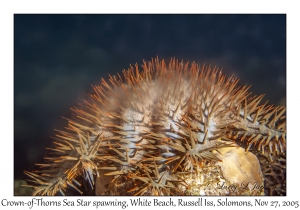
x,y
58,57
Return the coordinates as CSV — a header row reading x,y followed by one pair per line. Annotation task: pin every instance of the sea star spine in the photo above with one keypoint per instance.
x,y
154,125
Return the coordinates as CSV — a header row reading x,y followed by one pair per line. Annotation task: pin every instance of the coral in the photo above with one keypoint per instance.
x,y
238,165
162,131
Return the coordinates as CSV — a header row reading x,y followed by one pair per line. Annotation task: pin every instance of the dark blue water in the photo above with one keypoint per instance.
x,y
58,57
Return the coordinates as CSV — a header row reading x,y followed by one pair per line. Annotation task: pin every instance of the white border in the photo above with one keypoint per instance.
x,y
8,8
